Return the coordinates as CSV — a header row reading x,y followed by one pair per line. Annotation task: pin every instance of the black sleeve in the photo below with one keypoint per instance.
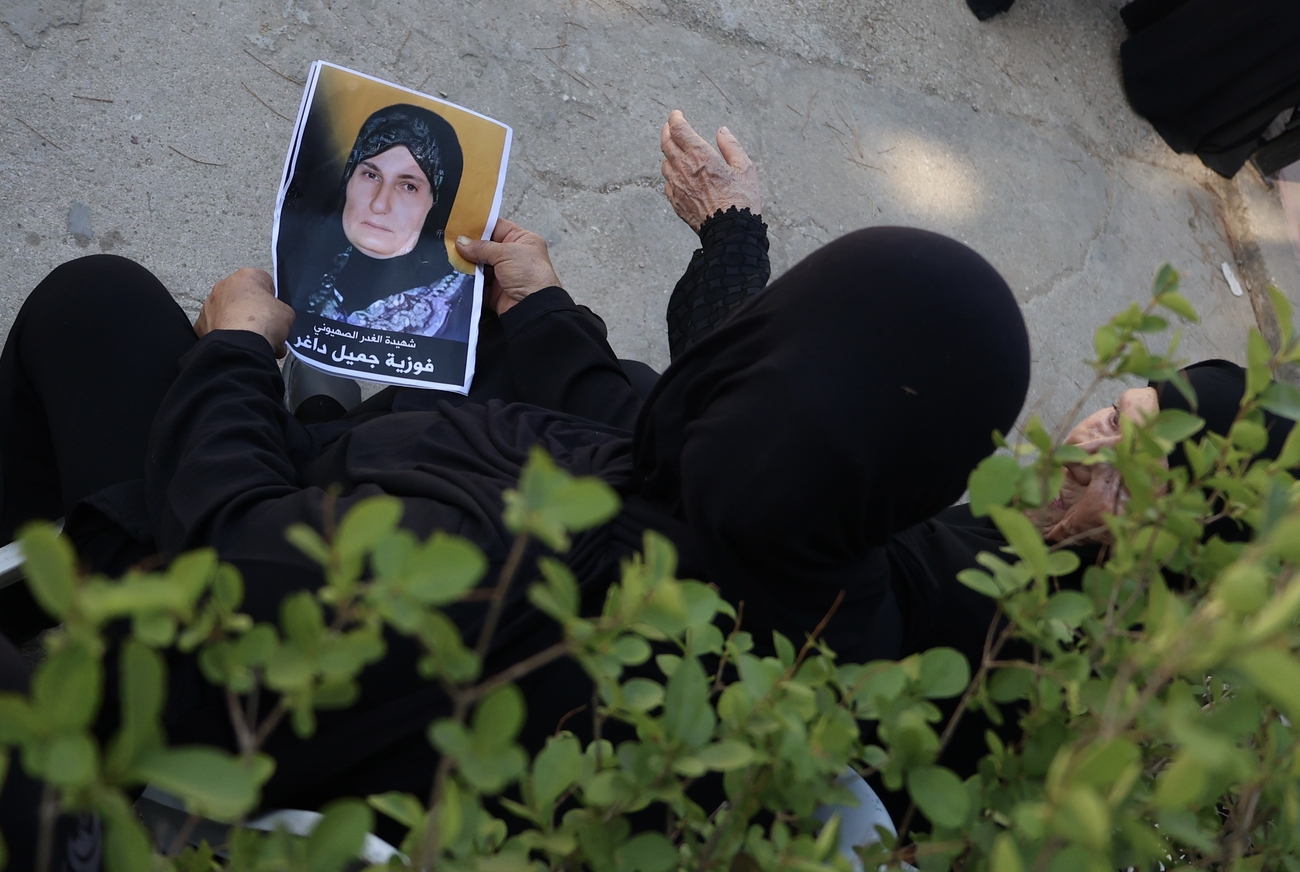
x,y
223,464
730,266
558,358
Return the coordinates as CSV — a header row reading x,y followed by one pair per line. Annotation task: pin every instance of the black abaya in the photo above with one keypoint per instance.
x,y
1211,75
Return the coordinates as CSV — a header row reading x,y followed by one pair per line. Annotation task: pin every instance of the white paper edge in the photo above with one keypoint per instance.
x,y
290,160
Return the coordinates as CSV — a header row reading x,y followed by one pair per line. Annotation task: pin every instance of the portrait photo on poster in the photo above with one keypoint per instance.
x,y
378,183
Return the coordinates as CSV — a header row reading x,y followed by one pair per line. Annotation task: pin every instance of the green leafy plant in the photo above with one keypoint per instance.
x,y
1149,727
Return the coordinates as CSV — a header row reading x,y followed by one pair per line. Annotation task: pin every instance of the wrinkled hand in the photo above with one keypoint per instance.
x,y
245,300
699,180
515,261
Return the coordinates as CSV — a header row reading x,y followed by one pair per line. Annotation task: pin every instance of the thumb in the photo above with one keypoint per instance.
x,y
479,250
731,150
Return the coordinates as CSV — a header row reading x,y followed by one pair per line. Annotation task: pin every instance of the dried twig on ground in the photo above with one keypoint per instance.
x,y
715,84
206,163
266,104
273,69
38,133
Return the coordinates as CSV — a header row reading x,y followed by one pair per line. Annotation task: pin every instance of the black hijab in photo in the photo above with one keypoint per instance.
x,y
846,403
419,292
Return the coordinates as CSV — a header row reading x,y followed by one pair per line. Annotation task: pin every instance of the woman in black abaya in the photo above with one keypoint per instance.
x,y
788,452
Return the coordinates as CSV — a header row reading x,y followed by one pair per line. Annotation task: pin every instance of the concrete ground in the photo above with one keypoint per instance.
x,y
157,130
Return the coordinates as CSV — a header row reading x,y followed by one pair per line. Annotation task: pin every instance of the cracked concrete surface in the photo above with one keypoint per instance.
x,y
157,130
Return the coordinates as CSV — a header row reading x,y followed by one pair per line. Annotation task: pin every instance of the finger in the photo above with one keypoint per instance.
x,y
480,250
730,149
667,145
504,228
683,135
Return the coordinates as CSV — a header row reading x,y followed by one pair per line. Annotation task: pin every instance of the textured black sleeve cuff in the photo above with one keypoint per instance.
x,y
730,267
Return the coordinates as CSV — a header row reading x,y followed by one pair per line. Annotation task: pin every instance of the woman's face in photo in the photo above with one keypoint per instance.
x,y
387,200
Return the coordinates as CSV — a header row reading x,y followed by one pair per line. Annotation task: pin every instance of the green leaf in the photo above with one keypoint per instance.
x,y
1105,341
1166,281
944,673
338,835
784,649
1258,357
563,600
71,760
365,524
688,716
143,680
1005,856
980,582
726,755
1248,435
50,566
1289,457
1061,563
642,694
401,807
1069,606
1282,308
631,650
443,569
1175,425
309,542
549,503
1182,783
1281,399
126,847
556,767
993,483
211,782
302,620
1037,434
1277,674
228,587
646,852
1177,303
940,795
499,717
66,688
1024,538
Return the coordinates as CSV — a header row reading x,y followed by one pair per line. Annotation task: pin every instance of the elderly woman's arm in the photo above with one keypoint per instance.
x,y
715,192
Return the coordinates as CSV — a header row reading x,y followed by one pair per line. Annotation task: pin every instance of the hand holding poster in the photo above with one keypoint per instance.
x,y
378,183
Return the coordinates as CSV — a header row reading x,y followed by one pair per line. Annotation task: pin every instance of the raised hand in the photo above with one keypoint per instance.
x,y
699,179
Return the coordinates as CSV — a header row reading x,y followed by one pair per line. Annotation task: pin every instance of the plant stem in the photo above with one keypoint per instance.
x,y
508,571
183,835
431,846
817,631
243,734
49,814
268,726
518,670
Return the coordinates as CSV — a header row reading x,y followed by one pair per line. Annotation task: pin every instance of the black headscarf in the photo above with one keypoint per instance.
x,y
432,142
1219,386
847,402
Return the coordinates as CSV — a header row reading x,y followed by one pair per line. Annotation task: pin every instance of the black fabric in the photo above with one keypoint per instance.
x,y
1211,75
729,267
843,405
87,361
1141,14
789,454
986,9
